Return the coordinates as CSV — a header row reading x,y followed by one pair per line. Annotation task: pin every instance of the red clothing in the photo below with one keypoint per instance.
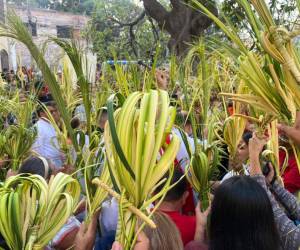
x,y
185,224
291,176
189,206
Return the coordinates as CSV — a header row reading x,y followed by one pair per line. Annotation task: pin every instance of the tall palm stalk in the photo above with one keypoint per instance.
x,y
75,55
198,81
134,136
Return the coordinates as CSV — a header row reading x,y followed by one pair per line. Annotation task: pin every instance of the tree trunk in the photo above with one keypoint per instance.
x,y
183,23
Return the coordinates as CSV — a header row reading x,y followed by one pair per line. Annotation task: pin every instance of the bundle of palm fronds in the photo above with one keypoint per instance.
x,y
17,141
134,136
199,83
272,71
32,211
76,56
17,134
70,91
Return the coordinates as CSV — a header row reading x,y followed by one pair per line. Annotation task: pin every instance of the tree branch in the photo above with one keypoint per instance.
x,y
156,11
154,30
131,24
176,4
132,40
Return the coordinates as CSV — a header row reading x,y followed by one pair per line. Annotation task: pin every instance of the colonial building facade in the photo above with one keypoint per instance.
x,y
42,24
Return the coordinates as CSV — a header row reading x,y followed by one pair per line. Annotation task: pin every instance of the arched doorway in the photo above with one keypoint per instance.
x,y
4,60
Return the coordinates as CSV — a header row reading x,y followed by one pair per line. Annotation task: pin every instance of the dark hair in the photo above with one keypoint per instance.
x,y
178,190
40,108
247,136
242,217
75,122
230,104
182,118
34,165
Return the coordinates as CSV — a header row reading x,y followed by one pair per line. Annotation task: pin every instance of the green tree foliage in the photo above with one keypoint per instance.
x,y
112,26
283,11
122,27
74,6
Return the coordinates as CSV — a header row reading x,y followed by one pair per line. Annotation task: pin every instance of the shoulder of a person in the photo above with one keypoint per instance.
x,y
177,215
41,124
228,175
45,127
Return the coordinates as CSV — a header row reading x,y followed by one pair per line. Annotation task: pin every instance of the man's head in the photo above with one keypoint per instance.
x,y
179,193
188,128
162,78
9,77
185,121
51,106
36,165
40,89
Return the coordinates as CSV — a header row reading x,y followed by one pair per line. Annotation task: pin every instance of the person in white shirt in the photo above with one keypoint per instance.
x,y
182,155
46,143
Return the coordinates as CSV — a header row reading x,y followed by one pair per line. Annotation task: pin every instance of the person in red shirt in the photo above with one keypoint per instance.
x,y
173,204
291,176
189,206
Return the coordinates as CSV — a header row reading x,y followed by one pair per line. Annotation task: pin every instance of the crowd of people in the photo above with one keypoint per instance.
x,y
250,208
19,79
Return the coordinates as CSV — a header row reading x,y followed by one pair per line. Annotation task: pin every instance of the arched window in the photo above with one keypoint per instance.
x,y
4,60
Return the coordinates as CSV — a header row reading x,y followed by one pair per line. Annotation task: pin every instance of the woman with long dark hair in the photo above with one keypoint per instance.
x,y
241,218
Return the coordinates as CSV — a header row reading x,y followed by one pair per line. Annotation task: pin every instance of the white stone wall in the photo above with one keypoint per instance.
x,y
47,20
